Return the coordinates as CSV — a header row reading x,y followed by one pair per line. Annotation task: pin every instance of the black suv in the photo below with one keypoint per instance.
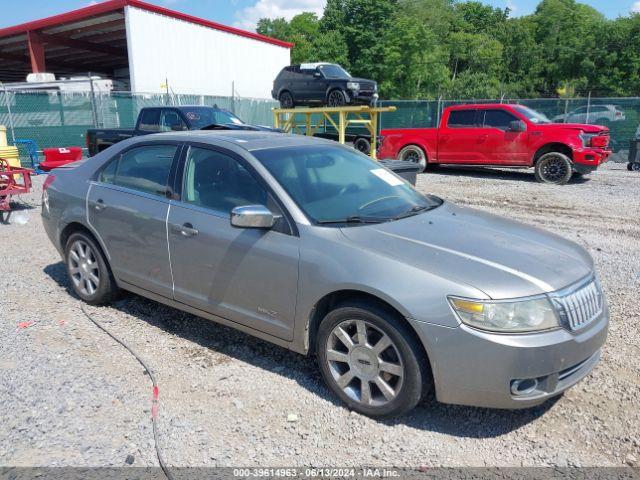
x,y
321,83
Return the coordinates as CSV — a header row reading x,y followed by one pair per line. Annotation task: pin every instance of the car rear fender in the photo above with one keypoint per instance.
x,y
399,139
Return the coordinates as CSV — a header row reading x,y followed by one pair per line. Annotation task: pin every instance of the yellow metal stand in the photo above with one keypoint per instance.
x,y
298,120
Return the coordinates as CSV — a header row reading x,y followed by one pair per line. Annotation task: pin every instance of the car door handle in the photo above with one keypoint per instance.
x,y
99,205
186,230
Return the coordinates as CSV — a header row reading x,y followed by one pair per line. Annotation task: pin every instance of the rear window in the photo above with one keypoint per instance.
x,y
462,118
150,120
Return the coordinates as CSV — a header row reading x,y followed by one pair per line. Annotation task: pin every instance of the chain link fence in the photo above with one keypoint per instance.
x,y
61,119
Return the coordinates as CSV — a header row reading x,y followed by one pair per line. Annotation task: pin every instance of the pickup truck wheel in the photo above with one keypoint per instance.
x,y
370,360
362,145
553,167
286,100
414,154
336,98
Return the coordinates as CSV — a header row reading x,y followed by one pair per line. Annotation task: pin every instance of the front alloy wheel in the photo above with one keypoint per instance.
x,y
337,98
371,360
364,363
554,167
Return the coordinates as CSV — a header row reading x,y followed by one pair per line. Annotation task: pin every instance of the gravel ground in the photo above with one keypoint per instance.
x,y
69,395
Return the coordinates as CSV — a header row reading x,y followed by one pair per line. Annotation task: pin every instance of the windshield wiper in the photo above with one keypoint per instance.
x,y
353,219
413,211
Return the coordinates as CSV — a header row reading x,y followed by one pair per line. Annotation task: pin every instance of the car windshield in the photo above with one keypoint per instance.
x,y
204,116
334,71
532,115
338,185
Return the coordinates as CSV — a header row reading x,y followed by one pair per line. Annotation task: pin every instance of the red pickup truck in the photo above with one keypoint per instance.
x,y
501,135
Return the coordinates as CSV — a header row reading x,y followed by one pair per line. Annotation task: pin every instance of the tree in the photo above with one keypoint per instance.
x,y
427,48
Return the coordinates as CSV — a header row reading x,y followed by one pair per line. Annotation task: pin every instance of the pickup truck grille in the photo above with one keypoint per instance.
x,y
580,306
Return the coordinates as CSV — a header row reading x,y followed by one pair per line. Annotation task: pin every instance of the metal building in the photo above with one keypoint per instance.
x,y
146,48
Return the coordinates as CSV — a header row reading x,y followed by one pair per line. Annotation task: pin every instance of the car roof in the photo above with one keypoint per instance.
x,y
187,107
463,106
248,140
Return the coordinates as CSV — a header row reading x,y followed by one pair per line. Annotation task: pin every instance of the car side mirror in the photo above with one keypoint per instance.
x,y
252,216
317,74
517,126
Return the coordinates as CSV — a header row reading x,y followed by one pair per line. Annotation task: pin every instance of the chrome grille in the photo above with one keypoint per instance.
x,y
581,306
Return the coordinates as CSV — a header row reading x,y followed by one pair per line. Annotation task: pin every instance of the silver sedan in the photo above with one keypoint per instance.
x,y
317,248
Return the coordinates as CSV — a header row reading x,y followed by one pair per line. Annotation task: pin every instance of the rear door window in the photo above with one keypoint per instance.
x,y
462,119
145,169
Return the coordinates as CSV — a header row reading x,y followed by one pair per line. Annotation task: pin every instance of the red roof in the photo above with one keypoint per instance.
x,y
113,5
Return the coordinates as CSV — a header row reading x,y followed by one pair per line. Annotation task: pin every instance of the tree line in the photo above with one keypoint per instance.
x,y
424,49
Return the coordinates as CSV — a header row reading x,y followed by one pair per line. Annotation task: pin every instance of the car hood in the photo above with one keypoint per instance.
x,y
502,258
573,126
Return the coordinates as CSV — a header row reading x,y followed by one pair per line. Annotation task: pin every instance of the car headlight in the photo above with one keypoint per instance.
x,y
586,138
506,316
353,85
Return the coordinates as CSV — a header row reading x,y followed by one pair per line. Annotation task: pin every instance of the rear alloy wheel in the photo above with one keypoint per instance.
x,y
337,98
370,361
634,167
414,154
553,167
90,276
286,100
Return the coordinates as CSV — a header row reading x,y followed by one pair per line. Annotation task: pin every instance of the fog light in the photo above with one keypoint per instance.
x,y
523,387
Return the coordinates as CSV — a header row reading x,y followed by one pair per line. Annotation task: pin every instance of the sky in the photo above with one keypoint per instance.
x,y
245,13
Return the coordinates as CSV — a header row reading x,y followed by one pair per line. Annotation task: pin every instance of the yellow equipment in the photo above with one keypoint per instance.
x,y
10,154
298,120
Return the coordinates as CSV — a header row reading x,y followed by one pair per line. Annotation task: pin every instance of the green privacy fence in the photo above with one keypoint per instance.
x,y
61,119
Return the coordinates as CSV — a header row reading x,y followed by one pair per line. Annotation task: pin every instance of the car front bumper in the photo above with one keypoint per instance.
x,y
585,160
472,367
364,97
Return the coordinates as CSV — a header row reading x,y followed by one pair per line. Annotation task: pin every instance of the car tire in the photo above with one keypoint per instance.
x,y
553,167
336,98
350,359
363,145
90,275
634,167
286,100
414,154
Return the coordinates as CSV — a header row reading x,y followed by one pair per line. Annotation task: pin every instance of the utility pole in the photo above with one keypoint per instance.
x,y
94,111
233,97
